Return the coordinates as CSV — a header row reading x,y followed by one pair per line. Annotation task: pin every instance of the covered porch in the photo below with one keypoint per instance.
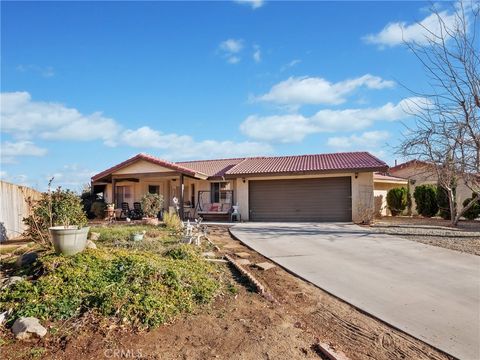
x,y
197,196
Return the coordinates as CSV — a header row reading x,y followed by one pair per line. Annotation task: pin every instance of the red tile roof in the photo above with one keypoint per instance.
x,y
351,161
389,178
407,164
213,168
149,158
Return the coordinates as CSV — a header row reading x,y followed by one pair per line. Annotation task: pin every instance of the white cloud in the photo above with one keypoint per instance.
x,y
295,127
24,118
181,147
11,150
231,49
257,54
45,71
367,140
255,4
291,64
3,174
232,45
397,33
314,90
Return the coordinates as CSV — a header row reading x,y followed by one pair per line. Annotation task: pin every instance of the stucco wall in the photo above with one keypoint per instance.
x,y
380,195
362,192
141,167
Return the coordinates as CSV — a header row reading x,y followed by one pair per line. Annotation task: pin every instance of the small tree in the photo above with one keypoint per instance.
x,y
152,204
60,207
397,200
474,211
426,200
98,209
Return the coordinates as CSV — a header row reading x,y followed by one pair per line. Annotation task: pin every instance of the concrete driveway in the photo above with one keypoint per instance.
x,y
429,292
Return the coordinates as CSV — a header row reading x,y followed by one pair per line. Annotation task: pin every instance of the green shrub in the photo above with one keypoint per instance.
x,y
140,288
60,207
172,221
443,203
474,211
152,204
426,200
98,209
397,200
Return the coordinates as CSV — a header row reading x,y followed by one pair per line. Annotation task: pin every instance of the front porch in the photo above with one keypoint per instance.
x,y
212,200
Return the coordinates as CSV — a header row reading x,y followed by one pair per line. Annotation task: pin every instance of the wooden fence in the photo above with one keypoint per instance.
x,y
13,208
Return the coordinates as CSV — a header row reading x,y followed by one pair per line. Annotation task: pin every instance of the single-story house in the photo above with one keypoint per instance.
x,y
421,173
321,187
382,183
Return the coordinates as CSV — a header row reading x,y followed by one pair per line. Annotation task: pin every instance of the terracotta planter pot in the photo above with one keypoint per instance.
x,y
69,240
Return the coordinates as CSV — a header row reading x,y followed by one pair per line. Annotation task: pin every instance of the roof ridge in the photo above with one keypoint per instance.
x,y
222,159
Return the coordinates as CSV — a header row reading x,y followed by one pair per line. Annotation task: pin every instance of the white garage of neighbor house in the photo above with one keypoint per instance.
x,y
320,187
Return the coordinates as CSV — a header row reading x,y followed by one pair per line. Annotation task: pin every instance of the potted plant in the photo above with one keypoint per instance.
x,y
151,206
138,236
69,231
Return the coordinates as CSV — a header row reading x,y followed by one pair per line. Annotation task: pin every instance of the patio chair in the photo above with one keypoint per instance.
x,y
125,210
137,212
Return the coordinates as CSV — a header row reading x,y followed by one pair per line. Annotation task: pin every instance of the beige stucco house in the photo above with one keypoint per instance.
x,y
321,187
421,173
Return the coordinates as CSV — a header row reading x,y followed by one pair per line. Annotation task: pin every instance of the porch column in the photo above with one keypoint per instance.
x,y
114,183
182,188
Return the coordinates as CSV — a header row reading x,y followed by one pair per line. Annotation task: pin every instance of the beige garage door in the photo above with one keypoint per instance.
x,y
325,199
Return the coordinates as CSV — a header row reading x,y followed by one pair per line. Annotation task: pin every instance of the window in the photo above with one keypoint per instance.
x,y
154,189
192,194
217,192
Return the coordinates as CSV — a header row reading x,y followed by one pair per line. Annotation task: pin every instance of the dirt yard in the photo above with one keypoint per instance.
x,y
434,231
241,326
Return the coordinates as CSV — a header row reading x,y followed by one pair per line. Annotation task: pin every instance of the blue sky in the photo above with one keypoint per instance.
x,y
86,85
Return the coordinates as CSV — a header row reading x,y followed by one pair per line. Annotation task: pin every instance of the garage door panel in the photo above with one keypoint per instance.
x,y
322,199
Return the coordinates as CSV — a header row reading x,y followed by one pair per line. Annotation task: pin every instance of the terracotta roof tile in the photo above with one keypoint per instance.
x,y
212,168
309,163
148,158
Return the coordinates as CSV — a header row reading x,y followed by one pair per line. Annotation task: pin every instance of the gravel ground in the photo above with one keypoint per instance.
x,y
436,232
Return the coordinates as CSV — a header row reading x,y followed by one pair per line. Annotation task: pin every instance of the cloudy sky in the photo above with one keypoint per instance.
x,y
84,86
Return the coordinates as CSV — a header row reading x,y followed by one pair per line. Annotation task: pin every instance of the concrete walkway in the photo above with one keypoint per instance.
x,y
429,292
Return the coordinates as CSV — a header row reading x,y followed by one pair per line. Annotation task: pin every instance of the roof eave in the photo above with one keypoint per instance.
x,y
308,172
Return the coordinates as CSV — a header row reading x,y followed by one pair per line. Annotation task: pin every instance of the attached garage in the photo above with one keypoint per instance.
x,y
313,199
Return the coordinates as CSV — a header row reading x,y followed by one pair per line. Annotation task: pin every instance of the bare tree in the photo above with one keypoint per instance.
x,y
446,134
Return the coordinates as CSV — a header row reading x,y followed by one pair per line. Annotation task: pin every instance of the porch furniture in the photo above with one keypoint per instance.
x,y
125,210
235,214
110,215
215,211
136,213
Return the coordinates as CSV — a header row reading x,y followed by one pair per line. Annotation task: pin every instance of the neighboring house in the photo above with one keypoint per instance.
x,y
383,182
421,173
322,187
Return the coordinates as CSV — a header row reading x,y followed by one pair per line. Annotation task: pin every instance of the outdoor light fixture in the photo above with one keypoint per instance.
x,y
356,175
243,179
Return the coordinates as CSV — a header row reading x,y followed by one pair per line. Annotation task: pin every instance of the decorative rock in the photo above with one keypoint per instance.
x,y
94,236
11,280
91,245
3,316
25,326
242,255
243,262
209,254
265,266
231,246
26,259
